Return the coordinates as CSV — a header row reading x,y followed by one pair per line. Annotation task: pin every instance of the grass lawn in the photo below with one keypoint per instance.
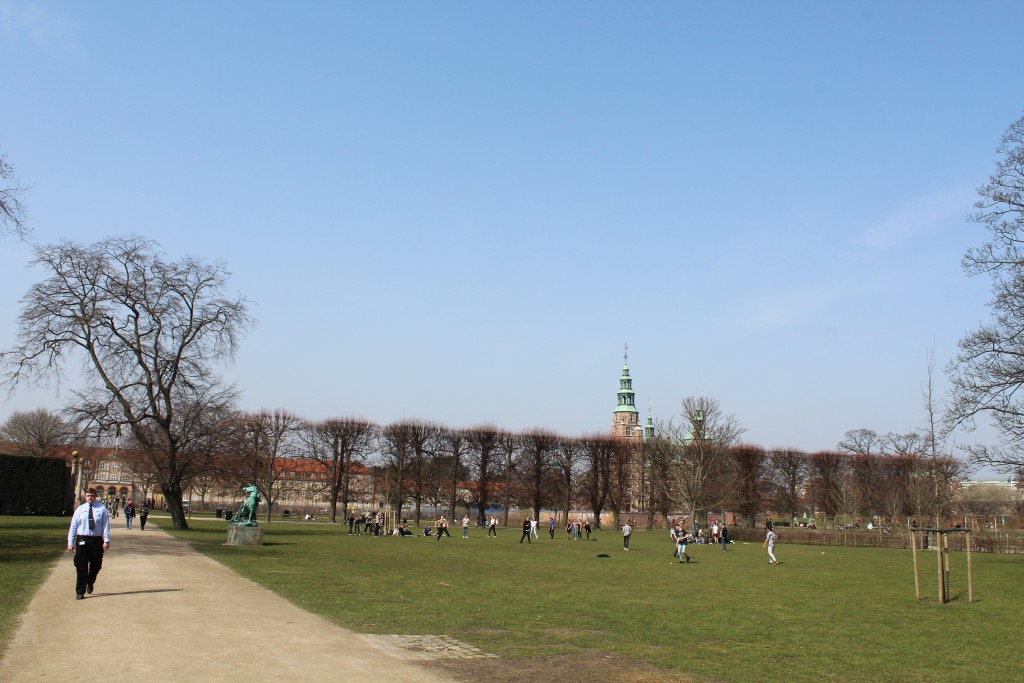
x,y
822,614
29,548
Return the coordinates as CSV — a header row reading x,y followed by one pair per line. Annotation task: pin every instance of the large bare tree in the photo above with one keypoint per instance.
x,y
988,371
150,332
12,210
338,444
704,433
38,432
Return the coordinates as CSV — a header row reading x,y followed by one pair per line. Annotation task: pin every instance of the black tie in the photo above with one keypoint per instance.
x,y
92,522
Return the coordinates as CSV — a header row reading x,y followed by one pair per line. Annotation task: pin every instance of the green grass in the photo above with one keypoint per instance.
x,y
29,548
823,614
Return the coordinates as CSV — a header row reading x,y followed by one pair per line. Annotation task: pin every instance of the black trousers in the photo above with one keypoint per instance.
x,y
88,561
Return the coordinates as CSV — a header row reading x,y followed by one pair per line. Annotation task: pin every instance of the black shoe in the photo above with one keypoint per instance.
x,y
687,559
79,596
88,589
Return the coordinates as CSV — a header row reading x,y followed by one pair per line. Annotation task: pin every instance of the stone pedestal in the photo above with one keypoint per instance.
x,y
245,535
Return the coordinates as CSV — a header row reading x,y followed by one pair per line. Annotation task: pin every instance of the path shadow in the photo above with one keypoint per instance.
x,y
150,590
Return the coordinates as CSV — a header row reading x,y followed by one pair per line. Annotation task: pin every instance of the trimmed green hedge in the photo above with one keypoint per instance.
x,y
34,486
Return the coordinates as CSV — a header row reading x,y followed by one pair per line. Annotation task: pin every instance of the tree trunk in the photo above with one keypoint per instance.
x,y
173,497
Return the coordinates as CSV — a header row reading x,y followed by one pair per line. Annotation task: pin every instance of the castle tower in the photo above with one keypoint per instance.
x,y
626,419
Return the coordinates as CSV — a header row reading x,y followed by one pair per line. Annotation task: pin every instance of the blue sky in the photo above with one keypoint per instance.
x,y
461,211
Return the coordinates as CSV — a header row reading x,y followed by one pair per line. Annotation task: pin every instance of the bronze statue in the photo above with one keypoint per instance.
x,y
246,515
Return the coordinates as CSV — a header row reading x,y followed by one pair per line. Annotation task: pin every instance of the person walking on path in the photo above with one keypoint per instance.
x,y
526,531
129,514
465,526
88,537
627,531
143,514
769,541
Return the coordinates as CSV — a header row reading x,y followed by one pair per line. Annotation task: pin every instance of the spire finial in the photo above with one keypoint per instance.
x,y
625,354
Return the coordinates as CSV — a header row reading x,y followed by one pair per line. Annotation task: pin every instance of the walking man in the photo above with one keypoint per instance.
x,y
492,527
627,531
88,537
723,536
551,527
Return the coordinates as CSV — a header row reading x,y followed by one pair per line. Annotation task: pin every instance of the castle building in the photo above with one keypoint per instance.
x,y
626,418
626,426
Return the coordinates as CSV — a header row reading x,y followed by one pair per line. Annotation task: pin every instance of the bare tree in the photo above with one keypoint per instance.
x,y
38,432
861,442
150,331
567,457
450,458
422,438
509,445
620,482
749,485
264,441
656,458
395,447
706,433
988,371
12,211
482,456
789,471
337,444
910,443
598,454
824,477
536,467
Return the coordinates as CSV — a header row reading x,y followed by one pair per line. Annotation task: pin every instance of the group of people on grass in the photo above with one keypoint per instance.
x,y
574,529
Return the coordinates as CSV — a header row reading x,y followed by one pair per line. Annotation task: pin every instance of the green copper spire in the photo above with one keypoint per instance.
x,y
627,399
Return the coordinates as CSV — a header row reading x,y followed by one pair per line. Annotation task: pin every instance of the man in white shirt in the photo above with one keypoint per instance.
x,y
88,537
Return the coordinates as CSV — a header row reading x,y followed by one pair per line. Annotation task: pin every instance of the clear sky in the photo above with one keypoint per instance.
x,y
461,211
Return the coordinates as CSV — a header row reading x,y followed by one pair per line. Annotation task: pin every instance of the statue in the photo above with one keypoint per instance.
x,y
246,515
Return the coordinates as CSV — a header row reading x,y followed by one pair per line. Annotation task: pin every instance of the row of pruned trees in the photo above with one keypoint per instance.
x,y
694,465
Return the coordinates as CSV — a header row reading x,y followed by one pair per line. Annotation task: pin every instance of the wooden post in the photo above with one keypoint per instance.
x,y
970,575
917,581
945,566
938,555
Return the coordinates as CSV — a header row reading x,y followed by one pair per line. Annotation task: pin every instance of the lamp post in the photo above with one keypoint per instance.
x,y
76,475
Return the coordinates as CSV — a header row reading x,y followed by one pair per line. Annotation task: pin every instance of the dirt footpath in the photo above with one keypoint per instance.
x,y
164,612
